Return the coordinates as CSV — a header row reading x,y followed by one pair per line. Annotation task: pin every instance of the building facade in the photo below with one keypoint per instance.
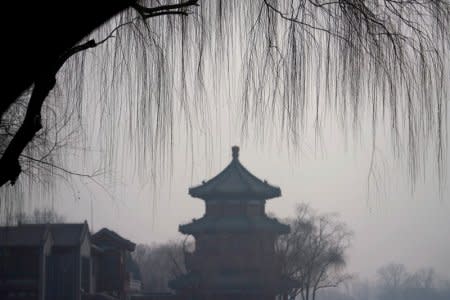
x,y
63,261
110,266
234,255
45,262
24,254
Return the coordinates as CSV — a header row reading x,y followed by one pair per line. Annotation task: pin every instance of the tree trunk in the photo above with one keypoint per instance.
x,y
46,30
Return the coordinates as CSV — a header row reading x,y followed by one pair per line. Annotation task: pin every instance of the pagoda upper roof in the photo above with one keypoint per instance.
x,y
235,181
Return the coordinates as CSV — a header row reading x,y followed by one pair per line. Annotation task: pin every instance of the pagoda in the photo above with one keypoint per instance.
x,y
234,255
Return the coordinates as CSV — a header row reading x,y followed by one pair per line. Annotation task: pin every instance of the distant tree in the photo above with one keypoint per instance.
x,y
159,263
423,284
360,290
421,279
38,216
314,252
335,294
395,283
392,279
445,290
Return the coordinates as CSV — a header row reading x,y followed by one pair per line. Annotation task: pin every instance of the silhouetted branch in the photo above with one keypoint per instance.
x,y
172,9
53,166
9,161
384,58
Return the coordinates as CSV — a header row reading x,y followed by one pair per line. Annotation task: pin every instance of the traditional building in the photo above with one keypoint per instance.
x,y
63,261
24,254
45,262
69,265
234,255
110,267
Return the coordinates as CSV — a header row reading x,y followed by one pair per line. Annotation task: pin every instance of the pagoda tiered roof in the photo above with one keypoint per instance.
x,y
234,224
235,182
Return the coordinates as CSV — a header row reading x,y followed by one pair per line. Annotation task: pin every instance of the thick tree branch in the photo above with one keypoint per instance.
x,y
64,170
9,162
146,11
172,9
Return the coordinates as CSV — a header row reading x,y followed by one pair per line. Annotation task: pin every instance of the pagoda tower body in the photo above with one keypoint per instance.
x,y
234,255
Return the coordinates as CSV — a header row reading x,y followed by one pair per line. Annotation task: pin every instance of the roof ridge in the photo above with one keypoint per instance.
x,y
241,169
235,180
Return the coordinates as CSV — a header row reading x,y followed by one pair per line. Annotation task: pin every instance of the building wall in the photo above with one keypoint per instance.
x,y
236,259
63,274
237,207
109,272
237,251
20,267
44,255
85,273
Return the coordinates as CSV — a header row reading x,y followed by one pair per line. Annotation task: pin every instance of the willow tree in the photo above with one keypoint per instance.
x,y
388,57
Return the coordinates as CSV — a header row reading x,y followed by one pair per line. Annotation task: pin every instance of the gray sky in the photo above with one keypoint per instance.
x,y
391,223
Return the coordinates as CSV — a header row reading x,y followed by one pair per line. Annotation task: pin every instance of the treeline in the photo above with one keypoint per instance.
x,y
314,253
158,264
393,282
38,216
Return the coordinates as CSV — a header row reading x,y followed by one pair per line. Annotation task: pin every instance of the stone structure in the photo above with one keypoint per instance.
x,y
234,255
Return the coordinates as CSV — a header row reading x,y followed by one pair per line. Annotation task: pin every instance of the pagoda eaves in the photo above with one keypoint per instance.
x,y
235,224
235,182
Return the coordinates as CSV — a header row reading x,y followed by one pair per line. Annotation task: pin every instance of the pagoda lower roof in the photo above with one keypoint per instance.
x,y
230,282
235,224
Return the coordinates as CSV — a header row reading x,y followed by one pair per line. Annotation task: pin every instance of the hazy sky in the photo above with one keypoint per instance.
x,y
391,223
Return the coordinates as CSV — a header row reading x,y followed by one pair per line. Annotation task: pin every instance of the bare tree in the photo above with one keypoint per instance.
x,y
38,216
392,275
392,278
314,252
159,264
395,283
422,279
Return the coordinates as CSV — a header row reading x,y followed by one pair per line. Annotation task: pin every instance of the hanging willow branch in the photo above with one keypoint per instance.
x,y
45,82
298,59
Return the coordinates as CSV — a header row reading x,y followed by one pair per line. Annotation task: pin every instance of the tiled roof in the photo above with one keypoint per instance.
x,y
108,238
235,181
64,234
234,224
23,236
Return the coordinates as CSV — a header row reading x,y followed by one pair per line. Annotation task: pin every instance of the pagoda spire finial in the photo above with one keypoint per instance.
x,y
235,152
